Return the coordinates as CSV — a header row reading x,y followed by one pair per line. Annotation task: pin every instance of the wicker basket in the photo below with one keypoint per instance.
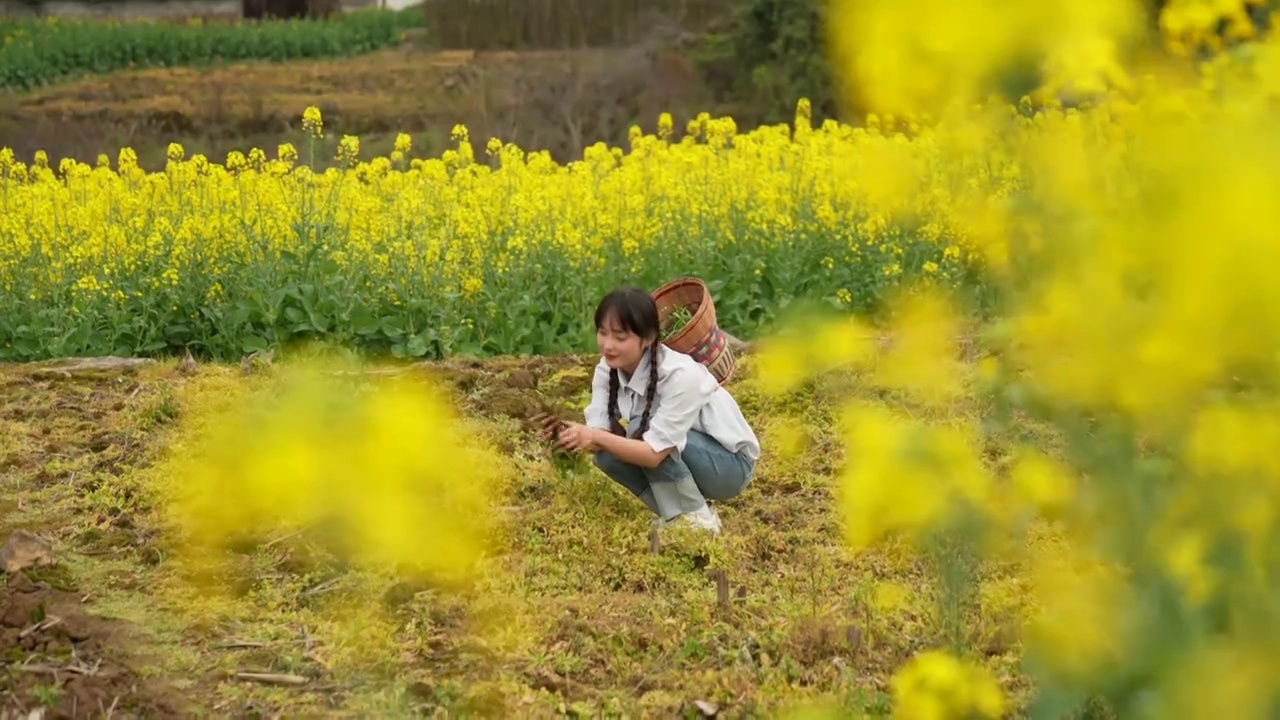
x,y
701,338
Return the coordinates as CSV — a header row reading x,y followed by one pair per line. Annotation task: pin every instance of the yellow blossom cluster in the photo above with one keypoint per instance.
x,y
936,685
1124,394
383,473
493,252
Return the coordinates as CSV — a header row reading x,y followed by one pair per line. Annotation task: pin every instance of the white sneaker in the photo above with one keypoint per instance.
x,y
705,518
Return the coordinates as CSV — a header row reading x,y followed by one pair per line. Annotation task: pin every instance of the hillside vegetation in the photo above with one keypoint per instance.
x,y
39,52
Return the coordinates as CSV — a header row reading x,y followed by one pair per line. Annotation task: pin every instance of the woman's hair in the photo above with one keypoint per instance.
x,y
635,311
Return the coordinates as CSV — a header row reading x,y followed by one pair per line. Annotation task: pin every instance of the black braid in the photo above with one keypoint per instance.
x,y
652,389
615,426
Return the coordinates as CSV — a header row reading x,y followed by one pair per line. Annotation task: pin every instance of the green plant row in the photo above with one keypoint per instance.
x,y
541,309
34,53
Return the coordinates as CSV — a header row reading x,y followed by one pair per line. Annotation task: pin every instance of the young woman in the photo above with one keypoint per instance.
x,y
684,441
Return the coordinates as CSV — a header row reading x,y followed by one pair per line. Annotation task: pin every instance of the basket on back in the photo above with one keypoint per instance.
x,y
701,338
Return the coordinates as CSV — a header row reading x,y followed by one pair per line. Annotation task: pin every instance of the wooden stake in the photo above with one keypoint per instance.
x,y
655,545
854,635
722,588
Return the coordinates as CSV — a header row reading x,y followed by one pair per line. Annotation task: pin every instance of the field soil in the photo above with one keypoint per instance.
x,y
60,657
560,101
576,615
57,653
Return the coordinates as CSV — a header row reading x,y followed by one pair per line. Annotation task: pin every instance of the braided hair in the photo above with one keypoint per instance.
x,y
634,311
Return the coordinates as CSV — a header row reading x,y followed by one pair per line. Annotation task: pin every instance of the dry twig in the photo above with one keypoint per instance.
x,y
323,587
273,678
279,540
51,670
40,626
241,645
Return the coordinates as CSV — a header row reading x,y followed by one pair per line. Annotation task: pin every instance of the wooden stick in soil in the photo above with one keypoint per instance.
x,y
854,636
655,544
722,588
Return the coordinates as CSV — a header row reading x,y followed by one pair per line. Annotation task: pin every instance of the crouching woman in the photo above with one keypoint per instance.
x,y
659,423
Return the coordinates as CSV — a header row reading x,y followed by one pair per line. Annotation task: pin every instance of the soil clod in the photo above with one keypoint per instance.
x,y
47,639
25,550
521,379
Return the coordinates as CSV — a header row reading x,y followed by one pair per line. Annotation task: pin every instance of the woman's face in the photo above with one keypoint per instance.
x,y
622,349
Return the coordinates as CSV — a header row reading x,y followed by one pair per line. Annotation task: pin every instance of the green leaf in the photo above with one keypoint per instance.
x,y
469,349
318,321
418,345
254,343
365,322
394,326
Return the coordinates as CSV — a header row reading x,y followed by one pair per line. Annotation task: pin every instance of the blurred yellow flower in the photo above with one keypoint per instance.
x,y
936,686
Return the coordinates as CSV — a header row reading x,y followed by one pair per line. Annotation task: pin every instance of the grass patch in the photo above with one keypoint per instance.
x,y
574,614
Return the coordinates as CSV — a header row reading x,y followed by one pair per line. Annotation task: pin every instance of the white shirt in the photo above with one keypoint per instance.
x,y
688,398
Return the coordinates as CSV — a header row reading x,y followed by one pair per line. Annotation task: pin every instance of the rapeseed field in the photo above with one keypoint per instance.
x,y
1019,433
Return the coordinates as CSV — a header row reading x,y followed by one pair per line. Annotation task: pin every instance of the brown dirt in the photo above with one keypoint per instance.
x,y
57,656
561,101
64,433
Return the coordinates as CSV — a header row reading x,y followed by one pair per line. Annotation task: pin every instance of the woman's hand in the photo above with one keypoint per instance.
x,y
578,437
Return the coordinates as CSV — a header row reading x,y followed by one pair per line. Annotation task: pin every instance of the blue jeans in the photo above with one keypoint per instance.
x,y
683,481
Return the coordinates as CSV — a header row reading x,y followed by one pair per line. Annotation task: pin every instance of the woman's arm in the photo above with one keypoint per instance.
x,y
681,401
633,452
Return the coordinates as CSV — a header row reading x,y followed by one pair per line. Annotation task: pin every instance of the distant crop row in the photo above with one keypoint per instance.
x,y
38,52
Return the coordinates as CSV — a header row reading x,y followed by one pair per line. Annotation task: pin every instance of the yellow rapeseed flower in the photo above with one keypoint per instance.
x,y
312,122
936,686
